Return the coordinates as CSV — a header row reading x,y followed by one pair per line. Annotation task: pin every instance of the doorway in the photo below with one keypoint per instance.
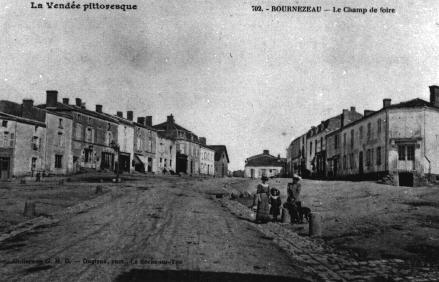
x,y
5,163
406,179
360,163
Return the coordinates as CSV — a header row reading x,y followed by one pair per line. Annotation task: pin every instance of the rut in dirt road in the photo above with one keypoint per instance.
x,y
171,229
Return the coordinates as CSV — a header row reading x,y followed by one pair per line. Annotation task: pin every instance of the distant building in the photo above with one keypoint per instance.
x,y
145,142
22,146
264,164
296,157
51,143
221,160
399,141
187,145
238,173
165,154
207,158
125,138
93,133
316,140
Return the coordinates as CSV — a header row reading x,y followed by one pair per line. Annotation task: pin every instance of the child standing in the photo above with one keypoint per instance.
x,y
275,203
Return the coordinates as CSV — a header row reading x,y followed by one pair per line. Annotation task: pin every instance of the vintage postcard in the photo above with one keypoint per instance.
x,y
234,140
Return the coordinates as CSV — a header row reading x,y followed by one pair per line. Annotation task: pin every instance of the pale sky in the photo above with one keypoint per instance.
x,y
248,80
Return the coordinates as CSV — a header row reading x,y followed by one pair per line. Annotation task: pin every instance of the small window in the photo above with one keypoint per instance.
x,y
4,123
379,126
401,152
361,132
60,123
368,157
410,152
352,138
379,156
344,140
369,126
58,161
60,139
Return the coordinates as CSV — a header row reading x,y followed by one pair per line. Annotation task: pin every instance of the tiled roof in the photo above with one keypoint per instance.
x,y
21,119
173,125
265,160
64,107
219,150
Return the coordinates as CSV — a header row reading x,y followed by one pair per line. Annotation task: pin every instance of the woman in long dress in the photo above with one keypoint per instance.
x,y
261,201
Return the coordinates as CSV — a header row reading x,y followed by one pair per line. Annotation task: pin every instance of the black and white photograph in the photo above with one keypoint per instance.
x,y
206,140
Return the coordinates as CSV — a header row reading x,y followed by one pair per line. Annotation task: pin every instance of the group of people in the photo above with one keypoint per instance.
x,y
267,201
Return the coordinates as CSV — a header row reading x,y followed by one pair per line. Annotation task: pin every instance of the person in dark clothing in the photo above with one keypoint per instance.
x,y
261,201
275,203
293,201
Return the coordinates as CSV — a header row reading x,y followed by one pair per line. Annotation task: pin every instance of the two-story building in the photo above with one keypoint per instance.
x,y
187,146
125,139
221,160
296,157
264,165
207,158
22,146
145,142
399,141
316,141
93,133
54,149
165,154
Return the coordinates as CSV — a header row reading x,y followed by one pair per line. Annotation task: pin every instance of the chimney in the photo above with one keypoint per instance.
x,y
119,114
434,95
148,120
368,112
141,120
99,108
28,103
78,102
278,156
130,115
266,152
65,101
344,117
202,140
352,109
51,98
386,102
170,119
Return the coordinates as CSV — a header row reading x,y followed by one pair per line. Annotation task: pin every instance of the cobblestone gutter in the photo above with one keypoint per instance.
x,y
321,261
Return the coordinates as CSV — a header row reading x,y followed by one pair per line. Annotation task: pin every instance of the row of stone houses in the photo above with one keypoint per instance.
x,y
398,143
60,137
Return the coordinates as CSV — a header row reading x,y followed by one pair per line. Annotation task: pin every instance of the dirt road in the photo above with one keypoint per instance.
x,y
167,229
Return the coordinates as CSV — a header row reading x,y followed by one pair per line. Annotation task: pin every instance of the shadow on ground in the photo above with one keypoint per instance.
x,y
192,276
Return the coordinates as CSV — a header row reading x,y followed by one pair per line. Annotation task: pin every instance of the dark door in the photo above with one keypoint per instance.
x,y
124,162
4,168
181,164
107,160
335,166
150,164
360,163
406,179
